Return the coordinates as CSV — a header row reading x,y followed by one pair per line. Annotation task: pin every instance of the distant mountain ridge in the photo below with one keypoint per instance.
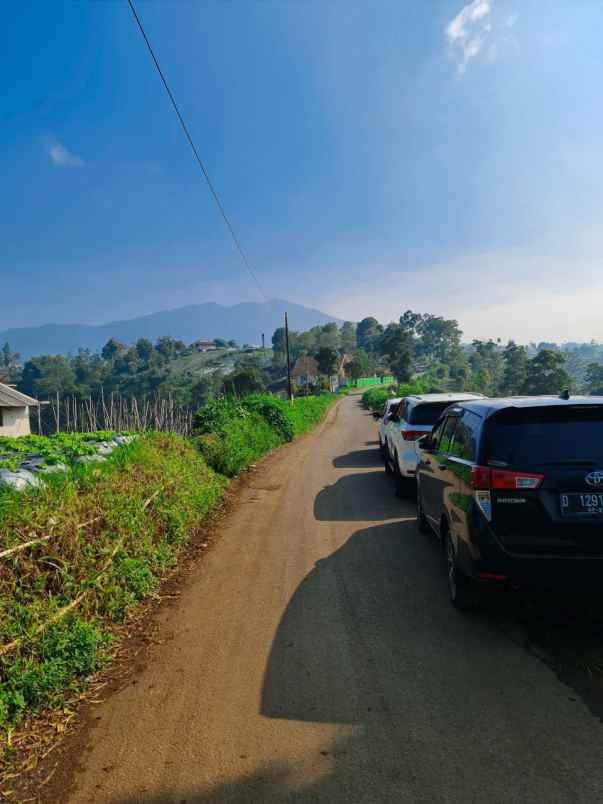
x,y
244,322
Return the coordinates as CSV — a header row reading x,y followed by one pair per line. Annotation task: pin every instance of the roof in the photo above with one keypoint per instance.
x,y
449,397
489,406
10,398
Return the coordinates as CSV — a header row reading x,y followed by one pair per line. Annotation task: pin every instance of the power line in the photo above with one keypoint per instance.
x,y
212,189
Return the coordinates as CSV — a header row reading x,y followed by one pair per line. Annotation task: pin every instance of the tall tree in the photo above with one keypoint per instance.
x,y
327,360
546,374
594,379
438,337
367,333
515,361
347,335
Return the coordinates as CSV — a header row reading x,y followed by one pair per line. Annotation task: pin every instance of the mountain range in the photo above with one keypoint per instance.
x,y
244,322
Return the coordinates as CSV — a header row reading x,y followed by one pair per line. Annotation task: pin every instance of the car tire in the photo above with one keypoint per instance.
x,y
403,486
464,592
388,460
422,522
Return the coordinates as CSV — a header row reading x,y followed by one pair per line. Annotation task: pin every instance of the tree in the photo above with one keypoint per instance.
x,y
220,343
144,349
438,337
515,362
359,365
410,321
367,333
594,379
329,336
166,347
8,358
486,367
347,337
402,367
233,344
327,360
545,374
112,349
47,375
243,381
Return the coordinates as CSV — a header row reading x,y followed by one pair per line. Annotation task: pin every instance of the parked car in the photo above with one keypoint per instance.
x,y
413,418
390,406
514,489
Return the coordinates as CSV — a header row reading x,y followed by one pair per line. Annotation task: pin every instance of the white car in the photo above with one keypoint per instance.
x,y
413,418
390,407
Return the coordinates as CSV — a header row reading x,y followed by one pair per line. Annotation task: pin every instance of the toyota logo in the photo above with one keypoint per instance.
x,y
595,478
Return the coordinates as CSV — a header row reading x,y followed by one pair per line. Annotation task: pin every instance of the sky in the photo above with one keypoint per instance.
x,y
442,156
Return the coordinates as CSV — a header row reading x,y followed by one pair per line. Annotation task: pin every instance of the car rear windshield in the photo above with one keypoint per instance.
x,y
536,436
427,412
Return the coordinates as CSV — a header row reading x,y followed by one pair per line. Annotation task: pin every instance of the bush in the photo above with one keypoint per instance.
x,y
230,436
274,411
116,560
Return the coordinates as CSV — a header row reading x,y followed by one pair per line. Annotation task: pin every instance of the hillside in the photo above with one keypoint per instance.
x,y
243,322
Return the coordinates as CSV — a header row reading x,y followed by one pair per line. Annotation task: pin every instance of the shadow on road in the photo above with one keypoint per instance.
x,y
359,459
361,497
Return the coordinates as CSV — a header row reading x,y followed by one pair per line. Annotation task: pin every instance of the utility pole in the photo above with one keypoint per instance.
x,y
263,342
288,360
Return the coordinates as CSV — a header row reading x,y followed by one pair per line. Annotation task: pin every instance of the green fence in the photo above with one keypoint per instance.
x,y
365,382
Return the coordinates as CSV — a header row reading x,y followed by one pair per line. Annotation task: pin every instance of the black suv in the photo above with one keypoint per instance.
x,y
514,489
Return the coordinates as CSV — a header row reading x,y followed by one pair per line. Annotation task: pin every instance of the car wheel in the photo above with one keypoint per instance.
x,y
403,486
422,523
388,460
464,592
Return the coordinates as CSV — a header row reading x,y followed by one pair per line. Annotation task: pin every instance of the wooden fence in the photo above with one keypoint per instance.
x,y
71,414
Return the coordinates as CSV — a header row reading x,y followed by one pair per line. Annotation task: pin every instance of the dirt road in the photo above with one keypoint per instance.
x,y
314,657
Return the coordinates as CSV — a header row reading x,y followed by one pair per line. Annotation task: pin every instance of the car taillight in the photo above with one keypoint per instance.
x,y
412,435
480,477
484,478
502,479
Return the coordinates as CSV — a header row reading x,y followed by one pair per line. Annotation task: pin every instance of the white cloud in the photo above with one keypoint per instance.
x,y
467,32
476,30
62,157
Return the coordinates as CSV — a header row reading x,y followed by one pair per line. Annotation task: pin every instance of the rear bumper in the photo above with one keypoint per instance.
x,y
543,571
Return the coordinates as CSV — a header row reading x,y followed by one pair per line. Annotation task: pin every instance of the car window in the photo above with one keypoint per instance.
x,y
436,433
465,436
445,440
427,413
534,436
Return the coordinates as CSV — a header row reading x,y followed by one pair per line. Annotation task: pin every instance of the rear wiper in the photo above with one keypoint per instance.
x,y
572,462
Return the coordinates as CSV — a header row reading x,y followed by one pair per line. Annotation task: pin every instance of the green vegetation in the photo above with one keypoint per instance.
x,y
105,536
233,433
374,399
59,448
77,552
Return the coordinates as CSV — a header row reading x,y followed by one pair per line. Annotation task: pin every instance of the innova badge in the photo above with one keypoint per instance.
x,y
595,478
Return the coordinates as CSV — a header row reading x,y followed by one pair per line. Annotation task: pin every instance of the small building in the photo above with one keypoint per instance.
x,y
203,346
14,411
305,371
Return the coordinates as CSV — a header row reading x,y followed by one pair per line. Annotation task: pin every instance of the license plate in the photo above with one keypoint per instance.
x,y
585,504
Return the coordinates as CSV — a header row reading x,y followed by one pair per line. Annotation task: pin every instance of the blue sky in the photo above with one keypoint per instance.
x,y
373,156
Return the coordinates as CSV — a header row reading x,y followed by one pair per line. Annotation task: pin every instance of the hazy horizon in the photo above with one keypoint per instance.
x,y
442,157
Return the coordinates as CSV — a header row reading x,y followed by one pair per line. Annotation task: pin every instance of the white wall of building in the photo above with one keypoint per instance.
x,y
14,421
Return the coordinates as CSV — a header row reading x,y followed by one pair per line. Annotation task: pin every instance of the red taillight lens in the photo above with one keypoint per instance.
x,y
515,481
480,477
412,435
483,478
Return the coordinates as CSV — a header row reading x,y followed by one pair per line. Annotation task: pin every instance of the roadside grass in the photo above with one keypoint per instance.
x,y
79,550
232,433
114,531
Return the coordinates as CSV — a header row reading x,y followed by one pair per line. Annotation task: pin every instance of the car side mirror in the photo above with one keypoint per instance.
x,y
376,414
